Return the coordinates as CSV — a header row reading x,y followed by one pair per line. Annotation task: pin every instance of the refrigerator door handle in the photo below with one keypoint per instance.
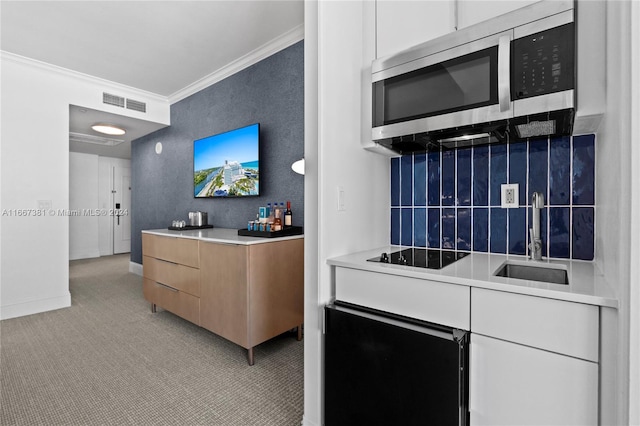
x,y
402,324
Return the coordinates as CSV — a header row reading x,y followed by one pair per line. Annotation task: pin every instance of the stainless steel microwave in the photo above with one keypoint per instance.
x,y
513,76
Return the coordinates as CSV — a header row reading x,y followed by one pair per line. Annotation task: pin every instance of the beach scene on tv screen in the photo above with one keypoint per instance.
x,y
226,165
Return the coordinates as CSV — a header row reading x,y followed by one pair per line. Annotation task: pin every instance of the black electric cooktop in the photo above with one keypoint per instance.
x,y
420,258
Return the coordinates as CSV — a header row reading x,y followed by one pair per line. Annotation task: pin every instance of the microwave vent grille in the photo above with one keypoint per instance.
x,y
536,128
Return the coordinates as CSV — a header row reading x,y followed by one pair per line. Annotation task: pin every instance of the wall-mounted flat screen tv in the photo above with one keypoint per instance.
x,y
227,164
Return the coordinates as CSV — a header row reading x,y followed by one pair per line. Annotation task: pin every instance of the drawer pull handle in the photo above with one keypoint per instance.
x,y
167,287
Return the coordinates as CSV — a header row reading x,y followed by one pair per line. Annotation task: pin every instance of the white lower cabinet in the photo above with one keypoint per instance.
x,y
527,366
532,360
512,384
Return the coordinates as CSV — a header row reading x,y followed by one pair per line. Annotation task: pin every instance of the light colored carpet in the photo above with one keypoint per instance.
x,y
107,360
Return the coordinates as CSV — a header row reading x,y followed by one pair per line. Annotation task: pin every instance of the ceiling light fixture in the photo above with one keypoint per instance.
x,y
108,129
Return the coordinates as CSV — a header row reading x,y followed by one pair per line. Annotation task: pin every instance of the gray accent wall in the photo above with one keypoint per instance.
x,y
271,93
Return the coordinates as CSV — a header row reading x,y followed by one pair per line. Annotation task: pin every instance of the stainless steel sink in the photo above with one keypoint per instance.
x,y
533,273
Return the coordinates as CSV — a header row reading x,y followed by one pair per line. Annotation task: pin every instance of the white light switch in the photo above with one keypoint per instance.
x,y
44,204
341,205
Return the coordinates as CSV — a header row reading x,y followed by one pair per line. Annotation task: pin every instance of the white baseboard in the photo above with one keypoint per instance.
x,y
135,268
35,306
307,422
89,254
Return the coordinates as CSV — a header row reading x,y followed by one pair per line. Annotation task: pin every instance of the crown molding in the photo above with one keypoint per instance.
x,y
280,43
54,69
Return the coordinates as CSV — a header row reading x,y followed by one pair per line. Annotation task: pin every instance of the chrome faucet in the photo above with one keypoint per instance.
x,y
535,240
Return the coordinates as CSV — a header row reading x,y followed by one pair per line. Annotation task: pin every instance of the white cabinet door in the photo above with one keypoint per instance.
x,y
473,11
512,384
401,24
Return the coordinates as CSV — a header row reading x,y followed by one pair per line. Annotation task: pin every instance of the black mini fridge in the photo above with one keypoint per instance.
x,y
386,369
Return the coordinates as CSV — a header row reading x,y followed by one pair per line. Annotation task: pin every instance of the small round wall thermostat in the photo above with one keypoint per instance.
x,y
158,147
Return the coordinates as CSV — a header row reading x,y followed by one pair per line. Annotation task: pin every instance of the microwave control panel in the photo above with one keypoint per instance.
x,y
543,63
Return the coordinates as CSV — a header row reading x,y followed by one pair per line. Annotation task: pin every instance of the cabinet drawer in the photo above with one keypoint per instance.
x,y
178,302
554,325
440,303
177,250
183,278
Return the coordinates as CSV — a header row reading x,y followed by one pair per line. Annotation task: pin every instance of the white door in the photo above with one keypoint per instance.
x,y
121,209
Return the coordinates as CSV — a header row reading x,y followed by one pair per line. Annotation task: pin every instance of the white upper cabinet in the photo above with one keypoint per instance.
x,y
401,24
473,11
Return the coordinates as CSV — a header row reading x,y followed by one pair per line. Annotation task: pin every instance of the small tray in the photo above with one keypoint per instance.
x,y
293,230
189,227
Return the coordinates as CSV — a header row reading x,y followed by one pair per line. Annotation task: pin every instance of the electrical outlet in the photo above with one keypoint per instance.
x,y
509,196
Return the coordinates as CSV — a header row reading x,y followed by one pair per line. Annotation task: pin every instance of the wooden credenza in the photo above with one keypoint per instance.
x,y
246,290
172,275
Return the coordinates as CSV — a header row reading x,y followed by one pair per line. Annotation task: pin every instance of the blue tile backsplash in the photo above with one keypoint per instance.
x,y
451,199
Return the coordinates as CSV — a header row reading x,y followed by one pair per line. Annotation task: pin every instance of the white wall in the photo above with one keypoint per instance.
x,y
339,47
34,262
83,198
312,310
615,185
634,291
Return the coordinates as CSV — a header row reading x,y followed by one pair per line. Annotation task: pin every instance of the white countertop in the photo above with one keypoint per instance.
x,y
586,284
218,235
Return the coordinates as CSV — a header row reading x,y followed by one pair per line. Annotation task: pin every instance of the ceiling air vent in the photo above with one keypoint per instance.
x,y
136,105
113,100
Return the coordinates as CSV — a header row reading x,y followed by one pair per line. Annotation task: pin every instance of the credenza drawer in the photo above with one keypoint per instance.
x,y
180,277
173,249
175,301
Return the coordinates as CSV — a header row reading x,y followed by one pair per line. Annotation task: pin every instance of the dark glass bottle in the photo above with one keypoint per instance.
x,y
288,216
